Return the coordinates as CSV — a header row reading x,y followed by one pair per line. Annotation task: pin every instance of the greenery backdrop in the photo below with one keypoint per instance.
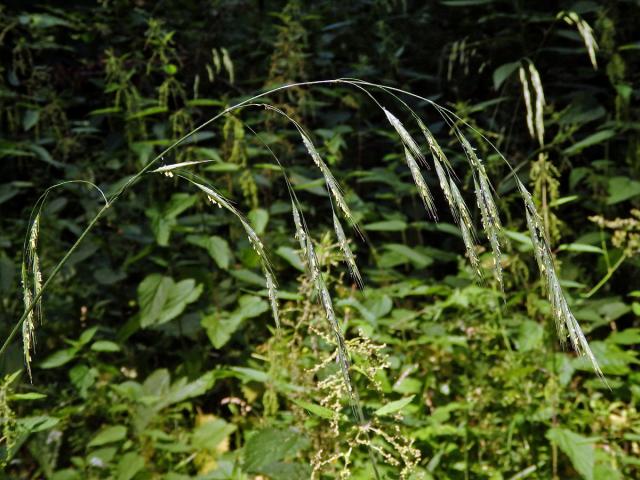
x,y
158,356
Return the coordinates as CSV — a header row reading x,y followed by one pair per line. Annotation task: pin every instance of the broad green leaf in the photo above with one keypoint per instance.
x,y
258,218
579,449
111,434
621,189
387,226
162,299
270,446
217,247
59,358
394,406
221,327
503,72
593,139
291,256
129,465
210,434
530,336
105,346
418,259
37,423
316,409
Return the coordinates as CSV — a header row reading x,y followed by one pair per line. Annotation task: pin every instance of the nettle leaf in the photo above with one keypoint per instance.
x,y
217,247
162,299
220,328
579,449
265,451
394,406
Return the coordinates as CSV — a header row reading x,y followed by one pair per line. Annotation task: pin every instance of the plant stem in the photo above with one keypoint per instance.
x,y
606,278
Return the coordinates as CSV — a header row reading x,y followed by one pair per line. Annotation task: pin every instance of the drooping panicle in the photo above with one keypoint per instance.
x,y
488,210
566,323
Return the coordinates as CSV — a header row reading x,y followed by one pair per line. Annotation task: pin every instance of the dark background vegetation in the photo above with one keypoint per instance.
x,y
94,90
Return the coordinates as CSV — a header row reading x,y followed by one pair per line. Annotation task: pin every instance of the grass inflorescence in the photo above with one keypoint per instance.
x,y
445,177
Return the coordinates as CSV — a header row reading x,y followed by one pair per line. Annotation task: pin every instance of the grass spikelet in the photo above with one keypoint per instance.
x,y
28,326
527,100
405,136
300,233
272,292
34,260
434,147
444,181
421,185
586,32
167,170
346,251
466,227
332,184
488,210
566,323
539,105
490,223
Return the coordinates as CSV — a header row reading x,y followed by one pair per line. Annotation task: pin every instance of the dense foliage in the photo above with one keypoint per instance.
x,y
157,355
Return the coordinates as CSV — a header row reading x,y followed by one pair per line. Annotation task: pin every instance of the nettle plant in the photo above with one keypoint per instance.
x,y
567,326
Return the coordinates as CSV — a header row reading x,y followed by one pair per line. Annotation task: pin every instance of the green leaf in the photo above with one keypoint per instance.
x,y
210,434
220,327
621,189
162,299
387,226
291,256
394,406
28,396
258,218
107,435
105,346
580,248
37,423
59,358
579,449
270,446
129,465
503,72
530,336
418,259
593,139
217,247
318,410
